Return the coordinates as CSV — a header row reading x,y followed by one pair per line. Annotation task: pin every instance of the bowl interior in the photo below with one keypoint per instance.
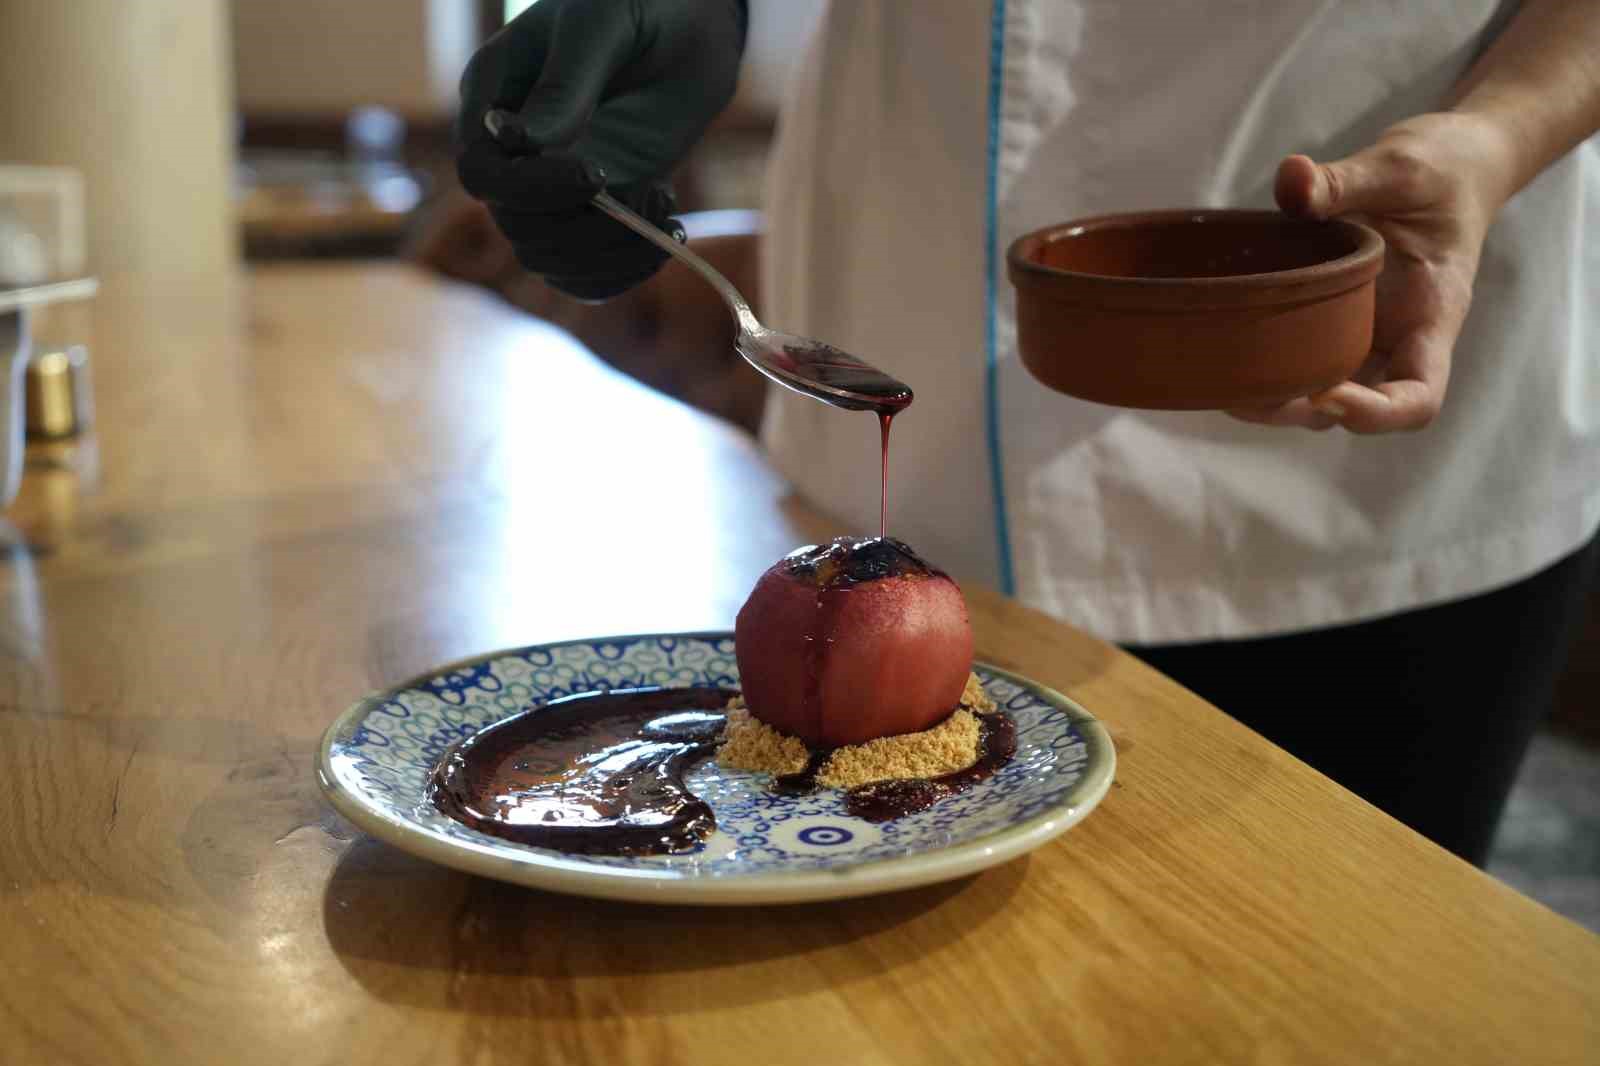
x,y
1194,246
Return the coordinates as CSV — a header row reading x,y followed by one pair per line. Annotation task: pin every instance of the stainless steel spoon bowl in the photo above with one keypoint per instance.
x,y
799,363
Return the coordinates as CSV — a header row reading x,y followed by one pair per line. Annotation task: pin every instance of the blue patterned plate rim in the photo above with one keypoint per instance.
x,y
581,875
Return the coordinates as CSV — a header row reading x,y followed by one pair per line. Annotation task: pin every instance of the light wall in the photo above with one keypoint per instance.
x,y
779,30
325,57
134,95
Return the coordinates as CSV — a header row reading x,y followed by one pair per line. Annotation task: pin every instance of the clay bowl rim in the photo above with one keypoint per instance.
x,y
1317,281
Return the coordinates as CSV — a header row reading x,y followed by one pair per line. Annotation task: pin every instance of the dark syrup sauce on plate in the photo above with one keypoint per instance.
x,y
602,773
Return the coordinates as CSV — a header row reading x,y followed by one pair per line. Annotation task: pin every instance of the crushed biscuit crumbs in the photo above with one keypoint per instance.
x,y
974,698
941,749
949,746
755,745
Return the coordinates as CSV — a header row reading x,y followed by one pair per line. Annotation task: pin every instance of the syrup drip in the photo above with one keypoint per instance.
x,y
884,418
827,365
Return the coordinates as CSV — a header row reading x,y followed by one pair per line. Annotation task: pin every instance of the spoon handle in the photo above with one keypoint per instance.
x,y
636,222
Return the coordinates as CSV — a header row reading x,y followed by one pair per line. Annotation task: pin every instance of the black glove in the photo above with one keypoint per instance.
x,y
575,96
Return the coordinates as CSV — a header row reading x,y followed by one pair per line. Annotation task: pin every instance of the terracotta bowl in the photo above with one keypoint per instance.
x,y
1194,310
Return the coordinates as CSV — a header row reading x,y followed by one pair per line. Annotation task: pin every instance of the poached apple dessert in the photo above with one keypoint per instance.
x,y
849,641
855,661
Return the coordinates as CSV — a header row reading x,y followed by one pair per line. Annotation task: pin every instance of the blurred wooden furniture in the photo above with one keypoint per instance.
x,y
330,478
672,333
331,211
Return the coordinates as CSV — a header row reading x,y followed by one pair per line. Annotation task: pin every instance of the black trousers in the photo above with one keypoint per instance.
x,y
1426,714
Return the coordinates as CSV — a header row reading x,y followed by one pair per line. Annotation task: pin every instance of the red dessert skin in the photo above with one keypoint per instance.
x,y
848,664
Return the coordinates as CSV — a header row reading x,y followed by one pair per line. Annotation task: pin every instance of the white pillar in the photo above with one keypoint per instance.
x,y
137,95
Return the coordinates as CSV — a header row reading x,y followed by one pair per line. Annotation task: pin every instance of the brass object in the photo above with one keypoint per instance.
x,y
58,394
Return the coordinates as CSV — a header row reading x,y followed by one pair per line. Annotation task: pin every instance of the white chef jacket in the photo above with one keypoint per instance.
x,y
922,136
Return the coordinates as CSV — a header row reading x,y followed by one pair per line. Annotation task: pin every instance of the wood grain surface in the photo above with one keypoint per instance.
x,y
312,482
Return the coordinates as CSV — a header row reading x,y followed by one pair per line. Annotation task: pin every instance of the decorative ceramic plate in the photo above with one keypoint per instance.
x,y
376,759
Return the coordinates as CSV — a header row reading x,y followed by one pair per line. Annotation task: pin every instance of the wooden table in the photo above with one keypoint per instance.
x,y
318,481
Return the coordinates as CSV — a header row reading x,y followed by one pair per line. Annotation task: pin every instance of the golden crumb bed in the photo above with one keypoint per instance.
x,y
951,745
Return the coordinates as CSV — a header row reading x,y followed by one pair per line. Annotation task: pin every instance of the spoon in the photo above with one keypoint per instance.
x,y
809,367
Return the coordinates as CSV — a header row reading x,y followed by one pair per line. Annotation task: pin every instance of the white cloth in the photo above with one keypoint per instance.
x,y
1161,527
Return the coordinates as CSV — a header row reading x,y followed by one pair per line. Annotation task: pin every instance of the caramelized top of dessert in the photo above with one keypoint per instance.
x,y
853,560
